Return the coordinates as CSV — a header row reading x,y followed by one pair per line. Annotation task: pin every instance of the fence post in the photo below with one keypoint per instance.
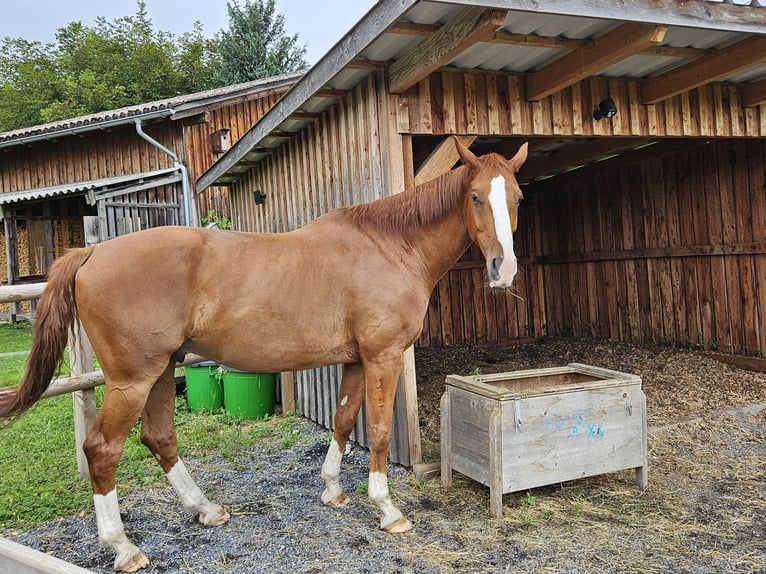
x,y
84,402
81,361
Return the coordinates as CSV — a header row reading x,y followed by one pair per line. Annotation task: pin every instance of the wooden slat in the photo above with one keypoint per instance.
x,y
470,26
593,57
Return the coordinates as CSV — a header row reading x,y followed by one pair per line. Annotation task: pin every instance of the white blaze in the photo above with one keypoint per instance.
x,y
498,200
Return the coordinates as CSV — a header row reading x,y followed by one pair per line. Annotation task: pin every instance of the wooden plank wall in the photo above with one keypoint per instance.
x,y
96,155
493,103
339,160
239,117
668,246
464,310
336,161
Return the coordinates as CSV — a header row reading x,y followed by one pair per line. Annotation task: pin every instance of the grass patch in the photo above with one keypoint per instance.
x,y
38,470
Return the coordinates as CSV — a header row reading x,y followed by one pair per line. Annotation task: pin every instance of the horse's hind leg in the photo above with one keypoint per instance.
x,y
103,447
159,435
350,399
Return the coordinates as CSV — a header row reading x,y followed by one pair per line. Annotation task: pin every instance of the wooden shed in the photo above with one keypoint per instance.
x,y
130,168
645,210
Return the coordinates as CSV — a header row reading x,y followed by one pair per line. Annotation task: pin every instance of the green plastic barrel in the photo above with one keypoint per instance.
x,y
204,391
249,395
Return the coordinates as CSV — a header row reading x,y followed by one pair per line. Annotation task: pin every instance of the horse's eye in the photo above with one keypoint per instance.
x,y
518,200
476,199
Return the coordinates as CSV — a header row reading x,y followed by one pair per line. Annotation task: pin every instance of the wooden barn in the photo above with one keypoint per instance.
x,y
645,209
130,168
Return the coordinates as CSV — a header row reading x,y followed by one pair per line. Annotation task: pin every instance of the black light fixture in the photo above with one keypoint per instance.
x,y
606,109
259,197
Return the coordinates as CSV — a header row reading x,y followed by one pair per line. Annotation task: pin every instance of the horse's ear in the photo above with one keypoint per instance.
x,y
466,155
521,156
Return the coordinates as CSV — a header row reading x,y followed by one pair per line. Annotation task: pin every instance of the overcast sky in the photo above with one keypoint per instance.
x,y
318,23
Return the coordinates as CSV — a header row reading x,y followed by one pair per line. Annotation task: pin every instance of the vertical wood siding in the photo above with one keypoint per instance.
x,y
669,250
336,161
493,103
237,116
94,156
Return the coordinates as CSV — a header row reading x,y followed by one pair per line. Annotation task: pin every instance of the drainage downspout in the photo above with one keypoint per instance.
x,y
176,163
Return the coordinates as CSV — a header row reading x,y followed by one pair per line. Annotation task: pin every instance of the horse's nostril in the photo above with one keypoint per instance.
x,y
494,268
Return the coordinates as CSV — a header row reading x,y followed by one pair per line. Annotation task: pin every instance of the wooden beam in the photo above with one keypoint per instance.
x,y
620,43
713,67
470,26
441,159
754,94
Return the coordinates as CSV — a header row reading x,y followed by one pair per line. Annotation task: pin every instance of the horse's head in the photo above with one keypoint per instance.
x,y
491,204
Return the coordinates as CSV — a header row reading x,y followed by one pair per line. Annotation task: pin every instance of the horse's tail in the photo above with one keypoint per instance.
x,y
56,316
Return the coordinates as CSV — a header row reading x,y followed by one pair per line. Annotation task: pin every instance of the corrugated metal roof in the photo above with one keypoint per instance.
x,y
94,185
176,107
382,36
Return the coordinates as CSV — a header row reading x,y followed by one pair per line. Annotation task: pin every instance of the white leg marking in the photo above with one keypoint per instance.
x,y
378,492
344,400
192,498
331,473
111,533
498,199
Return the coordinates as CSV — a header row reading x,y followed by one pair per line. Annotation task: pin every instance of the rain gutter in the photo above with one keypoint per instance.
x,y
176,163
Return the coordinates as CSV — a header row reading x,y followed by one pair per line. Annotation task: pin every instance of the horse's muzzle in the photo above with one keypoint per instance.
x,y
501,272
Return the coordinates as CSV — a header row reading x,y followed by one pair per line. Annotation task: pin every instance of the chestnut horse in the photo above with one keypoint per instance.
x,y
351,287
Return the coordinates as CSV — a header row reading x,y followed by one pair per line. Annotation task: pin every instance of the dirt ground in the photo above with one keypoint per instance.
x,y
704,510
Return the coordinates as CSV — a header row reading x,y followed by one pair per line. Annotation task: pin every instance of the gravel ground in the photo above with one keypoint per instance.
x,y
703,511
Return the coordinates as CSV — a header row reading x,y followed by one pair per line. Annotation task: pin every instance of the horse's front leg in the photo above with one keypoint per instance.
x,y
350,398
381,376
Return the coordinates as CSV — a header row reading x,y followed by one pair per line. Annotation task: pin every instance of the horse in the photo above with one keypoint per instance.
x,y
351,287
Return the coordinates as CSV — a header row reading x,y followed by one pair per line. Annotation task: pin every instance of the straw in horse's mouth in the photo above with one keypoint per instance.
x,y
519,297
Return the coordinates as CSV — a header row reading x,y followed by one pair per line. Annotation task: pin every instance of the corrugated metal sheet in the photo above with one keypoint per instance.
x,y
96,185
176,107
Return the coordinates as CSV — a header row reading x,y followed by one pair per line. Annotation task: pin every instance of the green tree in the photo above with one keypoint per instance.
x,y
255,44
29,81
108,66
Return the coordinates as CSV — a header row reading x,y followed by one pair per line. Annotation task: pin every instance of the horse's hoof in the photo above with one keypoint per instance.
x,y
339,501
214,517
132,563
399,526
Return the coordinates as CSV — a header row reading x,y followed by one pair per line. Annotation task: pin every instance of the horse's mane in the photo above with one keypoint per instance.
x,y
414,207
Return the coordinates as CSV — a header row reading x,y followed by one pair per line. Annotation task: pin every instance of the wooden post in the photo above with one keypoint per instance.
x,y
287,392
81,361
446,439
12,254
409,386
84,402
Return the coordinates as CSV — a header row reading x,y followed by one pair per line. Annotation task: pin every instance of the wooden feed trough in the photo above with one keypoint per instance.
x,y
524,429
